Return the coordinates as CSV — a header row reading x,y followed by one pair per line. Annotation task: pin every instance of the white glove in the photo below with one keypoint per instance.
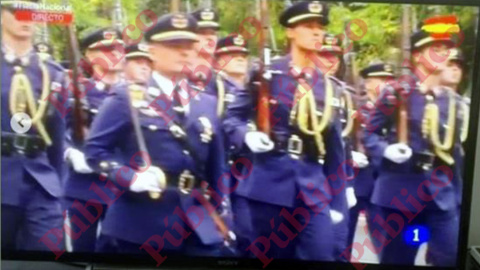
x,y
146,181
258,142
77,159
351,198
360,159
336,216
398,152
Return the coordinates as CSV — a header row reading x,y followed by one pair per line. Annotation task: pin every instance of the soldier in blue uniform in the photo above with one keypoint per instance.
x,y
177,125
414,188
206,67
291,165
332,64
138,64
375,77
233,51
452,77
32,164
78,191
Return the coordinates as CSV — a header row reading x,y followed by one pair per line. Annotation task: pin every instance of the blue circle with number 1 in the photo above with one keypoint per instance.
x,y
416,235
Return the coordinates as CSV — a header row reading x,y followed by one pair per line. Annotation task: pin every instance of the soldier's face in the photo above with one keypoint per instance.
x,y
373,86
452,74
236,63
138,70
207,40
172,57
102,59
16,28
434,57
305,35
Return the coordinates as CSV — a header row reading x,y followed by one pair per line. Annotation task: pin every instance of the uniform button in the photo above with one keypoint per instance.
x,y
152,127
186,152
103,165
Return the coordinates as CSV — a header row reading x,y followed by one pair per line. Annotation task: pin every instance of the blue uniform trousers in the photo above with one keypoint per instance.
x,y
86,241
314,242
23,227
443,227
192,247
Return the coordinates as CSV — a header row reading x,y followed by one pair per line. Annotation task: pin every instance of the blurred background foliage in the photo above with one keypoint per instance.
x,y
381,40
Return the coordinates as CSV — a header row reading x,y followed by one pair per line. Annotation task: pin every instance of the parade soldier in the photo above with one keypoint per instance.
x,y
414,189
375,76
32,164
332,64
99,46
232,50
452,77
291,165
177,125
206,67
138,64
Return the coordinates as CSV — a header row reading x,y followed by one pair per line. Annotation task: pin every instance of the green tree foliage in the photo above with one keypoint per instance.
x,y
379,40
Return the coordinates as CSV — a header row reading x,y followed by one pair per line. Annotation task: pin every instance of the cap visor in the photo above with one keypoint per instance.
x,y
232,49
174,36
303,17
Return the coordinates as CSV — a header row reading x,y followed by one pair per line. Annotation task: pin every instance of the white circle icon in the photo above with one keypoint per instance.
x,y
21,122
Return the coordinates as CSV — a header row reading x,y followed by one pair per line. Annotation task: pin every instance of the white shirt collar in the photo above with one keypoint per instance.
x,y
167,86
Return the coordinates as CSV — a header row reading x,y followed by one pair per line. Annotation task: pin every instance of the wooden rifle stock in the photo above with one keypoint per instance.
x,y
402,123
78,122
263,113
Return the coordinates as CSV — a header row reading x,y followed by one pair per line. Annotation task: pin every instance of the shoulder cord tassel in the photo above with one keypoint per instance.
x,y
465,119
221,96
347,97
431,127
307,110
22,98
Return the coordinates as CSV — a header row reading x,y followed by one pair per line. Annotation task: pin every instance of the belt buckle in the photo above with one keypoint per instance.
x,y
186,182
20,143
295,146
426,161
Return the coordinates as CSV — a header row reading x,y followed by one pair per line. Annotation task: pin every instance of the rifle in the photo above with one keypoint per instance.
x,y
351,78
78,88
117,16
174,6
402,124
263,114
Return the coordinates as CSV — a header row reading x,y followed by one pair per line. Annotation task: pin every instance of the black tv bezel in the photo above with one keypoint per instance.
x,y
176,261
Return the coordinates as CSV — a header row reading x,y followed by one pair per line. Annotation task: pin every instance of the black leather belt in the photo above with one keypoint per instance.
x,y
22,144
298,147
420,162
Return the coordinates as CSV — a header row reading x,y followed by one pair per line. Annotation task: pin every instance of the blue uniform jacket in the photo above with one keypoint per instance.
x,y
47,168
135,217
275,177
392,177
78,185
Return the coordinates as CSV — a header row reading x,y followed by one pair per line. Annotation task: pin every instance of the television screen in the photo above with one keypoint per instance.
x,y
256,133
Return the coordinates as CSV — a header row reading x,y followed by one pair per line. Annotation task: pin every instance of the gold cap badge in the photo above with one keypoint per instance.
x,y
207,15
238,40
179,21
315,7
